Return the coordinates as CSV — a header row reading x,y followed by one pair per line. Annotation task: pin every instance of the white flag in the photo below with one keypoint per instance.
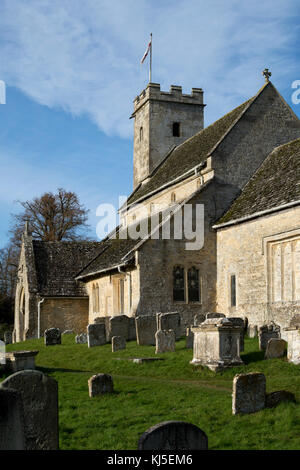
x,y
146,52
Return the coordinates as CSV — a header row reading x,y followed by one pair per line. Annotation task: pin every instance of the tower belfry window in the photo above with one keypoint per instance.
x,y
176,129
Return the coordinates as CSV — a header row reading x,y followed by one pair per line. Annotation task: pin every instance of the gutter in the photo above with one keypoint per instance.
x,y
257,214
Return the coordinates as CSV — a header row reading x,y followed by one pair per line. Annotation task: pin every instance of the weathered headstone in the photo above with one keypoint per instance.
x,y
215,315
131,329
8,337
117,343
217,344
68,332
252,331
81,339
12,432
275,348
189,338
249,393
52,336
293,340
173,435
267,332
198,319
169,321
20,360
96,334
100,384
39,395
118,326
165,341
237,321
275,398
145,329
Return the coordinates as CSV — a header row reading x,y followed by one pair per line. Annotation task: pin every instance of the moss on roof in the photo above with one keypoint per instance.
x,y
190,153
275,183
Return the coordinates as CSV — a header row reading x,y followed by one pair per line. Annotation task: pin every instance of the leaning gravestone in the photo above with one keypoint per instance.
x,y
189,338
96,334
12,432
100,384
8,337
81,339
117,343
165,341
52,336
275,348
145,329
39,395
169,321
173,435
249,393
267,332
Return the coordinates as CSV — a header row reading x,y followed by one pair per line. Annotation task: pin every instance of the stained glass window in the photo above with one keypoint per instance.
x,y
193,285
178,284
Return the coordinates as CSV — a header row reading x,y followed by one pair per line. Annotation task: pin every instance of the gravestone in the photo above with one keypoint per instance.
x,y
104,321
8,337
165,341
173,435
198,319
275,348
237,321
39,395
293,341
217,344
96,335
52,336
214,315
68,332
295,321
252,331
131,329
81,339
117,343
189,338
20,360
119,326
100,384
249,393
145,329
12,432
169,321
267,332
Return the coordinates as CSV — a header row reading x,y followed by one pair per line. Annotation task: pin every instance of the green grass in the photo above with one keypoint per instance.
x,y
146,394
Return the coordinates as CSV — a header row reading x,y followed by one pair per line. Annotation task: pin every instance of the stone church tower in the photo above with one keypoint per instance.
x,y
163,120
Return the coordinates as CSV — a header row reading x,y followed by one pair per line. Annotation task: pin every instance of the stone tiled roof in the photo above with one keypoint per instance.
x,y
190,153
275,183
111,255
57,263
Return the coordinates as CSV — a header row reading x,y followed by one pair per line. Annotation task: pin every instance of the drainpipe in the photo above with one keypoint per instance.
x,y
39,317
129,287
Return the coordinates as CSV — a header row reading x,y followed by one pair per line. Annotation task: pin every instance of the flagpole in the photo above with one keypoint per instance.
x,y
150,68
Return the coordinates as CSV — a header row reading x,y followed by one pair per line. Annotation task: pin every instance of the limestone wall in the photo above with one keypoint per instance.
x,y
264,254
64,313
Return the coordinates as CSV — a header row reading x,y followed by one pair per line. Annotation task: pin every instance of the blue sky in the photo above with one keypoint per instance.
x,y
72,70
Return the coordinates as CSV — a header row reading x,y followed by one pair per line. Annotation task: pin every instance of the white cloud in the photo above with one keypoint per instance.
x,y
84,56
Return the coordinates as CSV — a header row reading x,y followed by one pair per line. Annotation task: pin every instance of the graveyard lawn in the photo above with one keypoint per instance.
x,y
171,389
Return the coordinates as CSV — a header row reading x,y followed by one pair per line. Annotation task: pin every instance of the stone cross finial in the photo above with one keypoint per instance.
x,y
267,75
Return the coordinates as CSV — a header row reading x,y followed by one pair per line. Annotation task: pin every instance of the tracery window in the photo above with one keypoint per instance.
x,y
178,284
193,285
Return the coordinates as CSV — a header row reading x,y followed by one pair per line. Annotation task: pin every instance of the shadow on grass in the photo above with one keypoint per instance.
x,y
47,370
253,356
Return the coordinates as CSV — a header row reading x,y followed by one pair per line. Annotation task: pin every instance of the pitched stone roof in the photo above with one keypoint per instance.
x,y
275,183
57,263
190,153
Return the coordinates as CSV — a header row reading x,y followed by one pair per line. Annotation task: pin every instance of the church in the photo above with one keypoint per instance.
x,y
243,170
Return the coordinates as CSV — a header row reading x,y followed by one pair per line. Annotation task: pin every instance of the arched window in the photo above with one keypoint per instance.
x,y
176,129
173,197
178,284
141,133
193,285
97,299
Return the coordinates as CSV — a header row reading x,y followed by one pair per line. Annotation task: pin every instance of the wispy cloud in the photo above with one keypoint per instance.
x,y
84,56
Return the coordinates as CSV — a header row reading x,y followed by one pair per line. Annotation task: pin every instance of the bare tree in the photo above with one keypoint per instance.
x,y
51,217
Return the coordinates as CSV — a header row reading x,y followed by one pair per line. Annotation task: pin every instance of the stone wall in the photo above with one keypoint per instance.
x,y
247,250
65,314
